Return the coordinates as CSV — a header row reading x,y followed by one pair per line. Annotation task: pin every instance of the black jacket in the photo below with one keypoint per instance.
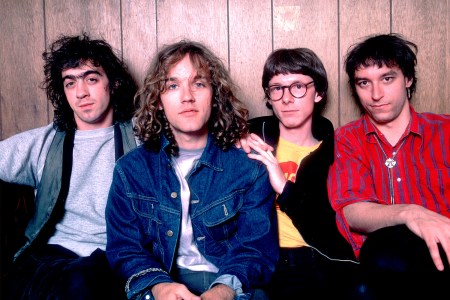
x,y
306,201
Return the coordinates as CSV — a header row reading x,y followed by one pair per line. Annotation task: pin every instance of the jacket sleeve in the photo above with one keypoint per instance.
x,y
22,156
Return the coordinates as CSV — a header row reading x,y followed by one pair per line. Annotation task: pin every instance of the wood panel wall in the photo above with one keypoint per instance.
x,y
241,32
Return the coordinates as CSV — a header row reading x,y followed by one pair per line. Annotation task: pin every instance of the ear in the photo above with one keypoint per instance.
x,y
115,86
408,82
317,97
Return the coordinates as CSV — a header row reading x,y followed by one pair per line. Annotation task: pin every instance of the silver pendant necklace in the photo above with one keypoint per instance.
x,y
390,161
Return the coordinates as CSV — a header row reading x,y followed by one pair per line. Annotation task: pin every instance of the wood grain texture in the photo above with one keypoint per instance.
x,y
242,33
23,104
250,44
431,17
313,25
201,21
139,35
101,19
358,19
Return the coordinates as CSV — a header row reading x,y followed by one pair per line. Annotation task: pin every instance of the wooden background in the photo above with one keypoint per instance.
x,y
241,32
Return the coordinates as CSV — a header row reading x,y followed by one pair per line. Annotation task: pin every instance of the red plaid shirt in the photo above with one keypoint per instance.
x,y
421,174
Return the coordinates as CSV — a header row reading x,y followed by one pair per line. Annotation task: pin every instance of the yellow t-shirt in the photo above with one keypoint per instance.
x,y
289,156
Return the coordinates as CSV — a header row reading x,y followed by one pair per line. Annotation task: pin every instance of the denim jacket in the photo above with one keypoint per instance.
x,y
231,207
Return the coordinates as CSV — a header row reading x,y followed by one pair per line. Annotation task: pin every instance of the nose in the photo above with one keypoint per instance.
x,y
377,92
82,90
186,94
287,97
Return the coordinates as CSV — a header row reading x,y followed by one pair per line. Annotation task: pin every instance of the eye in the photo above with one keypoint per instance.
x,y
388,78
275,88
92,80
362,83
171,86
199,84
297,86
69,84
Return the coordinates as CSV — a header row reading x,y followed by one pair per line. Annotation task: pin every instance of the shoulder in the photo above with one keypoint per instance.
x,y
433,118
322,127
136,157
42,134
237,159
351,136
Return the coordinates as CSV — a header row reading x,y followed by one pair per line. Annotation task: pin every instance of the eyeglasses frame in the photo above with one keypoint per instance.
x,y
266,90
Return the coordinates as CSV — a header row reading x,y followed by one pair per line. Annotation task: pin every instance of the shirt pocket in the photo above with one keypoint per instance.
x,y
146,209
433,188
221,219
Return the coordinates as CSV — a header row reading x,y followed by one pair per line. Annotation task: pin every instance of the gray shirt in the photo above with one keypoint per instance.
x,y
83,227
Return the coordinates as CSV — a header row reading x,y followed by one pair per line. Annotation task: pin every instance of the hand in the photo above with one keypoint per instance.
x,y
264,154
433,228
172,291
219,292
246,142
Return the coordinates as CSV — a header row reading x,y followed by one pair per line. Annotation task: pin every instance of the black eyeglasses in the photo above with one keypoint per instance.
x,y
297,90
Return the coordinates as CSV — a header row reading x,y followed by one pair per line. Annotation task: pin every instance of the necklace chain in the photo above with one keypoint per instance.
x,y
390,161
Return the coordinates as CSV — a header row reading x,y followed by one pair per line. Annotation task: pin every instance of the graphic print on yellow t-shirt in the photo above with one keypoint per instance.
x,y
289,156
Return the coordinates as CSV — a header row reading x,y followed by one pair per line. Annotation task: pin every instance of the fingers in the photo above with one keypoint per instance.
x,y
266,157
434,229
257,141
244,144
172,290
446,246
252,141
435,256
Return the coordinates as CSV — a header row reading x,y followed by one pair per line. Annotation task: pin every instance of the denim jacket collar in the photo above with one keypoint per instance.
x,y
211,156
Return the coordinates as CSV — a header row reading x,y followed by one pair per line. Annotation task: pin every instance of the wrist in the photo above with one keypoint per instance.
x,y
224,290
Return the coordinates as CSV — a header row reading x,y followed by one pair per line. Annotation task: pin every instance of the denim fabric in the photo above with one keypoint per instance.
x,y
232,211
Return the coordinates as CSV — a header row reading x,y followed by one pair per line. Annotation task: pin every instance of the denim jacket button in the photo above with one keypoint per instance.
x,y
169,233
173,195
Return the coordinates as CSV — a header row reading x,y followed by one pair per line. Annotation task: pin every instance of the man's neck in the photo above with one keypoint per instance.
x,y
191,142
395,129
300,136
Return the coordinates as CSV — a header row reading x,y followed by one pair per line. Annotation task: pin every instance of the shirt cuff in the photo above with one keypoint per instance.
x,y
229,280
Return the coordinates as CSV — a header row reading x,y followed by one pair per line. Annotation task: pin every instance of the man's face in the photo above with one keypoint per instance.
x,y
382,92
87,91
294,113
187,103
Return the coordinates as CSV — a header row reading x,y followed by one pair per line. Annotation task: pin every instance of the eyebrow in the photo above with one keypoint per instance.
x,y
82,75
195,78
389,73
280,84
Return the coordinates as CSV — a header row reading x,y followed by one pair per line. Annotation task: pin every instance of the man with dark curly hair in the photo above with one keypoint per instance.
x,y
188,213
70,164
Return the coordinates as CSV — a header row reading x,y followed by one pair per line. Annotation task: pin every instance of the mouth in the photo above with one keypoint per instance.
x,y
86,105
188,111
379,106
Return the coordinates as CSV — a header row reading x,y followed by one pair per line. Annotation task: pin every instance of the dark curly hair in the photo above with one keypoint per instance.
x,y
73,51
228,121
297,61
383,49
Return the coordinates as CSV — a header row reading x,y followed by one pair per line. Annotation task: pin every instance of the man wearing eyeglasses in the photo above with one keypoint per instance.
x,y
313,254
